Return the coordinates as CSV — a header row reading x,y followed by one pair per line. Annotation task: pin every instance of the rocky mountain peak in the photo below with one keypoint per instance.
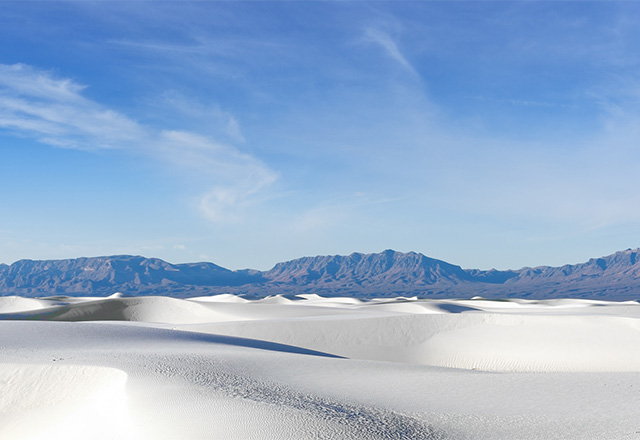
x,y
388,273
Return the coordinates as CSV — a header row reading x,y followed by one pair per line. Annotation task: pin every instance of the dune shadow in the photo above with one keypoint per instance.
x,y
252,343
53,315
456,308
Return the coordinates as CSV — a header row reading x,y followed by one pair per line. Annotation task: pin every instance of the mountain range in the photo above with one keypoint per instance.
x,y
385,274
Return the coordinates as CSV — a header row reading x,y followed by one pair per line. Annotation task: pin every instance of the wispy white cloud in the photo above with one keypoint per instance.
x,y
237,176
519,102
199,44
217,120
34,103
389,45
334,212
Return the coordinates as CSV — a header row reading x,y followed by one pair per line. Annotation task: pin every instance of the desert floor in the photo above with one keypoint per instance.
x,y
308,367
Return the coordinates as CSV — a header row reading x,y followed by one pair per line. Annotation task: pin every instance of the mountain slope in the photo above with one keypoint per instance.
x,y
124,273
388,273
388,267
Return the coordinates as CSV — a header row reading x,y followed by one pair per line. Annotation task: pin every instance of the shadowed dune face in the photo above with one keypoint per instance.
x,y
150,309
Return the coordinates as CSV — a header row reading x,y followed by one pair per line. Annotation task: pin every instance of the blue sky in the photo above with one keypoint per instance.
x,y
488,134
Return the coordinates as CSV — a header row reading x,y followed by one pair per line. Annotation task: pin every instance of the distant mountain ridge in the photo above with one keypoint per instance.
x,y
372,269
388,273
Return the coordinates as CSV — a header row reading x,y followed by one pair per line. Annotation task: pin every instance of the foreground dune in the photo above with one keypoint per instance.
x,y
312,367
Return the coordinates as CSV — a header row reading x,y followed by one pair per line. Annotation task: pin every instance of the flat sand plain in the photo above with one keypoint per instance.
x,y
308,367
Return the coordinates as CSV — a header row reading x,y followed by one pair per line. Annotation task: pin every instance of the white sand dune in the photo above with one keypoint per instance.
x,y
10,304
63,401
311,367
149,309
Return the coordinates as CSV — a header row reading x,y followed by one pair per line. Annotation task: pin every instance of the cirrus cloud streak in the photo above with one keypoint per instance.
x,y
36,104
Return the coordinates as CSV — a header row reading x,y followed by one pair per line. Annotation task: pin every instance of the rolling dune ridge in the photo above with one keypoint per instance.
x,y
313,367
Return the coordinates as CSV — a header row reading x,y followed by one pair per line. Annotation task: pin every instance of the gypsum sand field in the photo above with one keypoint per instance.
x,y
224,367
